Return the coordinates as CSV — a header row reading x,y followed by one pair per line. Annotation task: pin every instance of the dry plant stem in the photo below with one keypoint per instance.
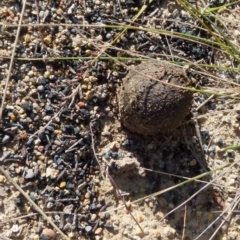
x,y
12,58
32,203
124,202
184,221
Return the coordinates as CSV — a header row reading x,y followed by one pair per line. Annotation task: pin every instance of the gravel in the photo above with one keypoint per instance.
x,y
61,112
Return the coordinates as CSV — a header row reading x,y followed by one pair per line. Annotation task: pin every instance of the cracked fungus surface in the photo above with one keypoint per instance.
x,y
150,107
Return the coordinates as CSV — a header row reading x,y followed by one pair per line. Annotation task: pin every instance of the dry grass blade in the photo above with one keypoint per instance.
x,y
184,221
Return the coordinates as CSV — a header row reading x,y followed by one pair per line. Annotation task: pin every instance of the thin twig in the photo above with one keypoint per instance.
x,y
184,221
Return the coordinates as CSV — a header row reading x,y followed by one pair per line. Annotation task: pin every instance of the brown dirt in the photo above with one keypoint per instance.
x,y
148,106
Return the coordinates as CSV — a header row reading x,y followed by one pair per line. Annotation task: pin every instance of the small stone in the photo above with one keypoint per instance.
x,y
59,11
2,179
62,184
88,52
109,35
98,231
151,205
40,148
27,38
98,2
81,104
87,195
107,215
169,232
21,180
86,202
29,174
101,215
220,142
140,218
89,95
27,106
88,229
40,88
5,139
52,173
212,151
48,40
99,38
49,109
193,162
93,217
15,228
49,233
231,153
71,235
36,237
47,74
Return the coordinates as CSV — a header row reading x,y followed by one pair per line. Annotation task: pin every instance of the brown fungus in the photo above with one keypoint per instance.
x,y
150,107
